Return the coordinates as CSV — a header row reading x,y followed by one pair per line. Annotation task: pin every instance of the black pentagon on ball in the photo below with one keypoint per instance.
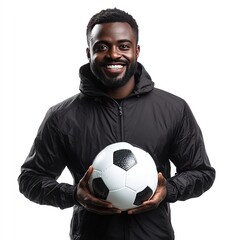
x,y
124,159
100,190
142,196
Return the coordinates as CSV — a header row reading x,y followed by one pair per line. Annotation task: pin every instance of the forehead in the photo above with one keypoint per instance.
x,y
115,31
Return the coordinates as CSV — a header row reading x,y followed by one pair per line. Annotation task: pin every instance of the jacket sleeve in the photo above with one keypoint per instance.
x,y
44,164
194,173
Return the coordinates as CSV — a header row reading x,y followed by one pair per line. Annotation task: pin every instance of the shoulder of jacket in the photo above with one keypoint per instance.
x,y
173,104
56,111
66,104
169,98
60,112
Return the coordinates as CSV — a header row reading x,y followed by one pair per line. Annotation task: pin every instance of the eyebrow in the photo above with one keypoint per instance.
x,y
108,42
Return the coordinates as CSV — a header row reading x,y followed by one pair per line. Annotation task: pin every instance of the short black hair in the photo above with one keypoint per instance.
x,y
111,15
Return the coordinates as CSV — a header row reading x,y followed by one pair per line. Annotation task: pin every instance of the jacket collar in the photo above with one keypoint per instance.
x,y
92,87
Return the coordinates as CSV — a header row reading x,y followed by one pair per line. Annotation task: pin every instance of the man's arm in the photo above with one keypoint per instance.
x,y
194,174
44,164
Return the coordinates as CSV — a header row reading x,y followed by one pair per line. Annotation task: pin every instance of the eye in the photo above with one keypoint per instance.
x,y
100,47
124,47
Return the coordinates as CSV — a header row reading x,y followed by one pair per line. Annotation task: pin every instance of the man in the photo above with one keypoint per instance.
x,y
118,102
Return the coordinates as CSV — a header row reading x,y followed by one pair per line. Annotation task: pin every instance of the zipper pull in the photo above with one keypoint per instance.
x,y
120,110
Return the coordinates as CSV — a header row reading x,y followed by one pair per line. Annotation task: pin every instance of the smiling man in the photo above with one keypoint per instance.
x,y
118,102
113,53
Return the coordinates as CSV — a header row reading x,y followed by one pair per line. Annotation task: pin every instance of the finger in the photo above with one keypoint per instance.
x,y
102,210
161,179
92,200
149,204
100,206
88,173
86,176
143,208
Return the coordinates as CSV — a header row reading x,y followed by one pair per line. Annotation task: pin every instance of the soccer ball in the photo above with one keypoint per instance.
x,y
124,175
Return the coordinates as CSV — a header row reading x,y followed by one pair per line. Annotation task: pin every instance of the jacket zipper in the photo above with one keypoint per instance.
x,y
125,216
121,122
120,112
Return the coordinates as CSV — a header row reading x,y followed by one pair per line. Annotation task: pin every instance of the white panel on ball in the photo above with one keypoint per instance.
x,y
122,198
114,177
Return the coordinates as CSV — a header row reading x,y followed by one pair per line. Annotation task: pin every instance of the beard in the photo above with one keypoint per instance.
x,y
115,82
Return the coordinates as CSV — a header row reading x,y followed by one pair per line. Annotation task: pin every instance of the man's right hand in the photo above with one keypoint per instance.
x,y
89,201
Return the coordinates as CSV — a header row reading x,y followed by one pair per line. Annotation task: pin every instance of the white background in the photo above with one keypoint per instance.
x,y
190,48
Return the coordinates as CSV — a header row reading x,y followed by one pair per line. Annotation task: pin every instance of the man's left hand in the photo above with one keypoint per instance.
x,y
156,199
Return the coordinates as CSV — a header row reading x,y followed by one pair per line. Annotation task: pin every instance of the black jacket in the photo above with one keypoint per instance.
x,y
74,131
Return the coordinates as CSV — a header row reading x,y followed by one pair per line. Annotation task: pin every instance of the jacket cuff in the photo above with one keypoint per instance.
x,y
68,199
74,197
172,192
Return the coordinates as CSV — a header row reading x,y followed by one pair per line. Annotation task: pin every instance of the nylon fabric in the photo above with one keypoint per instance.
x,y
75,130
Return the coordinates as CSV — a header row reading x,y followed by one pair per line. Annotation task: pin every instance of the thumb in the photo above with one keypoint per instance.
x,y
161,179
87,175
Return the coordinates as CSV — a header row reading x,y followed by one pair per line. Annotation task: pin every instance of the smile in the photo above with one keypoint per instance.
x,y
114,67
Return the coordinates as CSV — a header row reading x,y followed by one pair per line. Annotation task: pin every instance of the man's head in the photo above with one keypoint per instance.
x,y
111,15
112,51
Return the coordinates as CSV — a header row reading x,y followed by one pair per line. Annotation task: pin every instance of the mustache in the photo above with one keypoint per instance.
x,y
108,62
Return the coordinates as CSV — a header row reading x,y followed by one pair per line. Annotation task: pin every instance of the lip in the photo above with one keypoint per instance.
x,y
114,68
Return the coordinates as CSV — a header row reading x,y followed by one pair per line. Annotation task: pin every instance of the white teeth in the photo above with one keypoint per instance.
x,y
114,66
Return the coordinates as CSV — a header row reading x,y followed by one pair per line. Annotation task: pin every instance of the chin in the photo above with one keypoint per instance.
x,y
114,83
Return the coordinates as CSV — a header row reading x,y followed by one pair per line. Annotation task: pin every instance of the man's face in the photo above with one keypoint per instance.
x,y
113,53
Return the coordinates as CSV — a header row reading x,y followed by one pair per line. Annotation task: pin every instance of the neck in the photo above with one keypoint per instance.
x,y
123,91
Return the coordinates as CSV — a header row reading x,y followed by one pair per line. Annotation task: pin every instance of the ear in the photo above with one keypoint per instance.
x,y
88,53
137,51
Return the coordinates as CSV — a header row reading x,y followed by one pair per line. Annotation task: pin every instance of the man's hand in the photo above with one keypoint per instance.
x,y
90,202
156,199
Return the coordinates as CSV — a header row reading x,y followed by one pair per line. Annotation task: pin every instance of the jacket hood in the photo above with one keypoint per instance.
x,y
91,86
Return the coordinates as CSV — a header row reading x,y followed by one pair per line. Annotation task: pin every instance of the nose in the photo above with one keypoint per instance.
x,y
114,53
